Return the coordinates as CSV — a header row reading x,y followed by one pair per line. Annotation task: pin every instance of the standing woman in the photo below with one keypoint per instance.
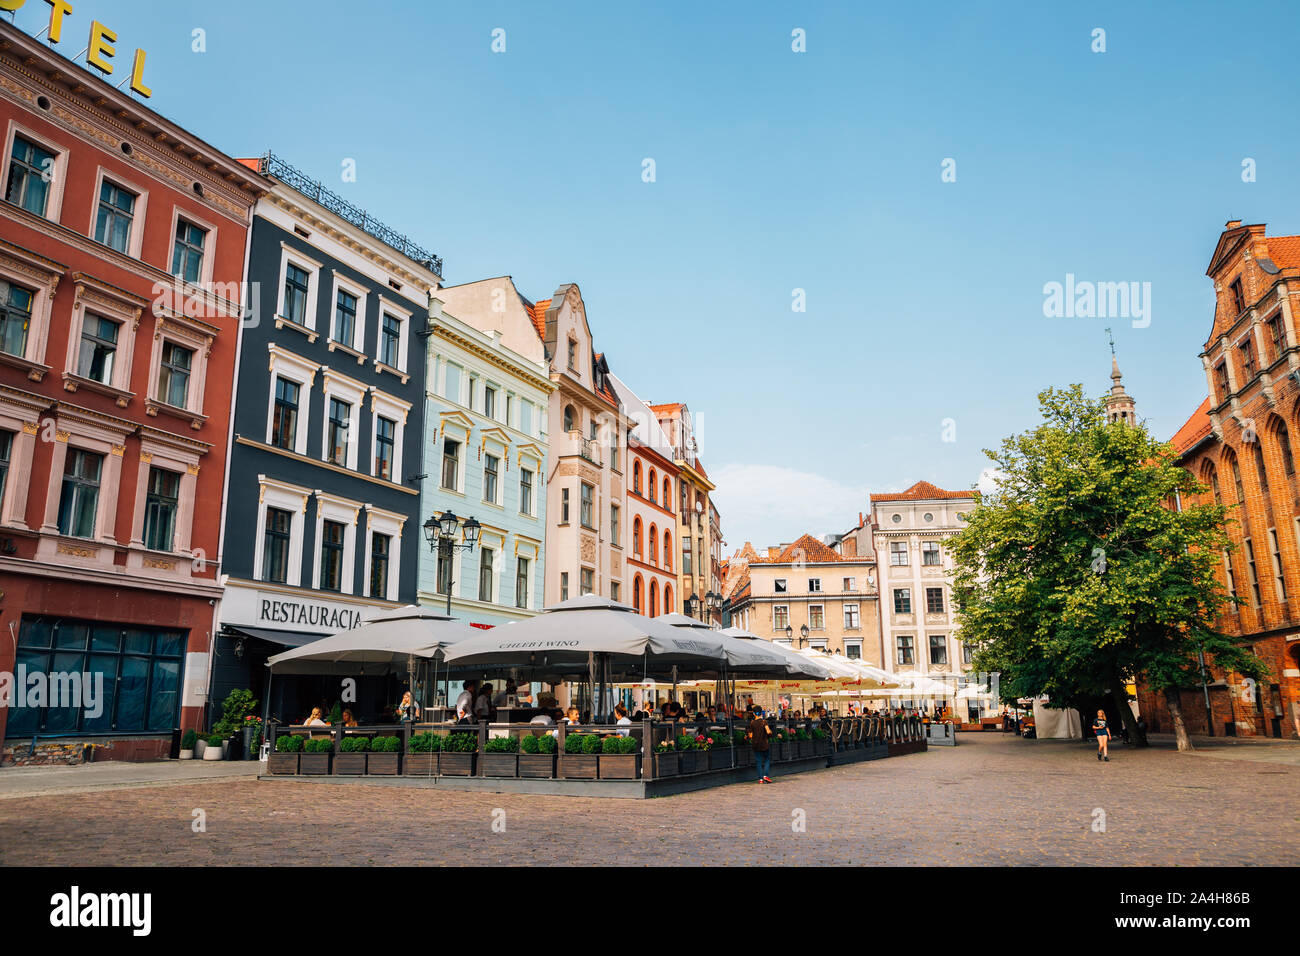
x,y
1102,730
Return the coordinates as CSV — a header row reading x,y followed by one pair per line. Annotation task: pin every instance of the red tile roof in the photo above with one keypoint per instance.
x,y
1284,251
1194,429
807,549
671,407
923,491
255,164
538,314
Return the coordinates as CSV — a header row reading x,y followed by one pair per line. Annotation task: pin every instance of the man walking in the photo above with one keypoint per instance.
x,y
759,738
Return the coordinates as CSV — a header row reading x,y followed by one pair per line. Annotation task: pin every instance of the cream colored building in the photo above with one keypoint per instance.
x,y
699,532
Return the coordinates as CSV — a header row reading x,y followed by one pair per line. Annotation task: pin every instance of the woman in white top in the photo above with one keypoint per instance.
x,y
623,719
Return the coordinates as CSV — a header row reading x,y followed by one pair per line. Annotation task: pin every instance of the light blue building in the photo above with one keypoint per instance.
x,y
484,458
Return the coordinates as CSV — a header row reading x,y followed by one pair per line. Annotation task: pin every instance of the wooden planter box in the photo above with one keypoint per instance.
x,y
720,758
500,765
384,764
317,765
693,761
805,749
421,765
668,764
822,747
744,756
537,765
579,766
286,764
620,766
457,764
780,750
350,765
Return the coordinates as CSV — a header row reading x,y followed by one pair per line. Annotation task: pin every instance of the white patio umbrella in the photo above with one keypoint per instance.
x,y
799,665
390,638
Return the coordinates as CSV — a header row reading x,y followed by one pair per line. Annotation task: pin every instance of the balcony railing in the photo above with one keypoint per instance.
x,y
588,450
272,165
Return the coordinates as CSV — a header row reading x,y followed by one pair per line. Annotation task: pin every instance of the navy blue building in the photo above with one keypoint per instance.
x,y
322,508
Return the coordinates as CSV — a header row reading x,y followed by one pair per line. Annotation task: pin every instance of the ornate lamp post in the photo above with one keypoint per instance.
x,y
692,604
803,635
440,531
711,604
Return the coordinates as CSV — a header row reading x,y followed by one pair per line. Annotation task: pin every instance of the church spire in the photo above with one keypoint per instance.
x,y
1119,404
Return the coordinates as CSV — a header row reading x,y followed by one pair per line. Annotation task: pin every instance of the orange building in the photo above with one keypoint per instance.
x,y
1238,442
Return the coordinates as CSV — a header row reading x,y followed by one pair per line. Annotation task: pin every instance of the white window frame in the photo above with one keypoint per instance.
x,y
779,585
335,508
41,277
814,585
857,611
822,626
209,249
136,240
395,410
358,343
339,386
780,607
850,584
286,497
59,176
157,450
295,368
181,331
388,305
379,521
289,253
100,299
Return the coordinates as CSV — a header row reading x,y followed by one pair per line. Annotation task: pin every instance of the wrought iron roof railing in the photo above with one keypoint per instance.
x,y
272,165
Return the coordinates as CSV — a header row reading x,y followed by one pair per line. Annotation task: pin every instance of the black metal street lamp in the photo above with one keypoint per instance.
x,y
789,633
440,531
692,604
803,635
711,604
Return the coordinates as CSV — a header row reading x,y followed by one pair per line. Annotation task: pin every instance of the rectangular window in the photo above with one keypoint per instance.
x,y
1232,581
938,650
817,617
284,420
853,650
780,617
31,170
779,586
930,554
584,506
1277,334
336,440
614,532
905,657
902,600
113,220
486,574
613,590
1278,576
686,555
852,619
898,554
1221,385
297,285
491,464
587,581
967,654
489,401
814,585
526,417
521,582
15,318
444,571
450,463
1238,297
98,348
573,356
187,251
850,584
451,383
564,585
174,374
331,555
380,547
161,504
1250,568
345,317
6,450
1248,358
564,506
79,499
385,447
525,491
275,546
390,340
934,600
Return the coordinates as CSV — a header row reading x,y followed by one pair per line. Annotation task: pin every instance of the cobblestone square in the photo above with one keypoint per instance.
x,y
993,800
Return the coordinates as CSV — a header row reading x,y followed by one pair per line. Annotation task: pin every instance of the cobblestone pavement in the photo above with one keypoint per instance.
x,y
994,799
16,782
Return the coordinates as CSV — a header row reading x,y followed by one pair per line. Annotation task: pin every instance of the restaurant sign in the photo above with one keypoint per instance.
x,y
99,46
254,607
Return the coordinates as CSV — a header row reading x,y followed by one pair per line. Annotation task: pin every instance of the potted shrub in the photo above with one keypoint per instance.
x,y
458,753
578,762
384,758
620,758
668,762
501,757
688,749
213,751
780,744
803,743
821,742
284,760
422,759
188,739
315,756
719,747
351,758
537,756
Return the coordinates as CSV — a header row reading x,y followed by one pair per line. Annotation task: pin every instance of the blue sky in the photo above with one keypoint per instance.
x,y
778,171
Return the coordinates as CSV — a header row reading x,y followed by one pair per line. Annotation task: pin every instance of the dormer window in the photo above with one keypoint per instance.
x,y
1238,297
573,355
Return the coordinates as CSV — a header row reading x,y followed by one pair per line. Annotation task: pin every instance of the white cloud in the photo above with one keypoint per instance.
x,y
769,504
988,480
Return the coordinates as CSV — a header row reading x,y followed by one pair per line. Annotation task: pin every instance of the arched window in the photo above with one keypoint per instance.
x,y
1284,446
669,608
668,550
636,593
1236,476
1259,466
654,543
636,477
1212,479
654,598
653,479
636,537
570,418
668,492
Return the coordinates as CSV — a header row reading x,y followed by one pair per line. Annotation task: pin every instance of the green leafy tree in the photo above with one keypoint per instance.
x,y
1091,564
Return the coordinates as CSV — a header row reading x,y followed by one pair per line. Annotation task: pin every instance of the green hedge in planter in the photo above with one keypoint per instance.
x,y
530,745
216,740
581,744
354,745
503,745
425,743
619,745
687,742
386,745
547,744
460,743
189,739
321,746
288,744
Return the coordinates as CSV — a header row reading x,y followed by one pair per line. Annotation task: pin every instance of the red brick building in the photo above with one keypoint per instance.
x,y
122,250
1239,443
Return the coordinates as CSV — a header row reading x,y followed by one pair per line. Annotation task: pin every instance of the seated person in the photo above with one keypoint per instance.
x,y
544,719
348,719
317,719
573,716
620,712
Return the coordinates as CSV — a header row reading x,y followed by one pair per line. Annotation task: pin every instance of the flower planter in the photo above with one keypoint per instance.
x,y
744,756
822,747
693,761
350,765
805,749
316,765
421,764
579,766
454,764
200,745
668,764
720,758
213,753
286,764
186,755
537,765
619,766
383,764
500,765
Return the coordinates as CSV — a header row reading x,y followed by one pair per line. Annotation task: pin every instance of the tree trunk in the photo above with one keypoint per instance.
x,y
1120,697
1173,698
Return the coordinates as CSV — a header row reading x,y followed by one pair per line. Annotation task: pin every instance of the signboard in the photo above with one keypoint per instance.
x,y
100,48
281,610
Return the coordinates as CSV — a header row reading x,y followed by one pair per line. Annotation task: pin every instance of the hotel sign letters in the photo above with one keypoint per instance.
x,y
99,48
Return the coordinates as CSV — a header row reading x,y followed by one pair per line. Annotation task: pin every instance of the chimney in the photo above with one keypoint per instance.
x,y
1232,225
